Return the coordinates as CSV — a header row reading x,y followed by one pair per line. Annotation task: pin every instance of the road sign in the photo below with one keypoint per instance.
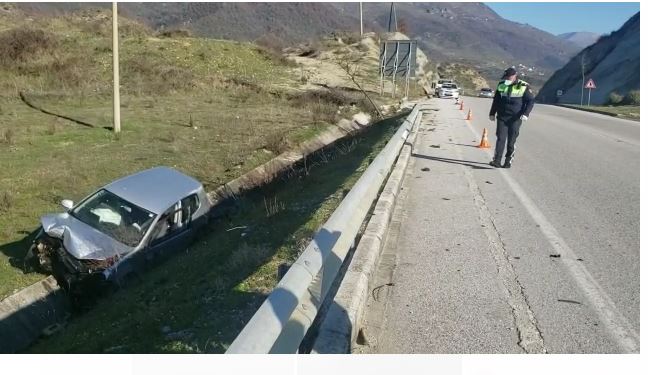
x,y
559,92
590,84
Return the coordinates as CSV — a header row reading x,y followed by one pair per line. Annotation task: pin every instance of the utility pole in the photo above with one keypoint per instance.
x,y
115,52
391,14
583,77
361,25
395,18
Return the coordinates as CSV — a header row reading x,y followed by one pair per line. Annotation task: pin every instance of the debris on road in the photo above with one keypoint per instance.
x,y
569,301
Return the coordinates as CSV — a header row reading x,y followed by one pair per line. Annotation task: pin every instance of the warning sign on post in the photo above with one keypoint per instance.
x,y
590,84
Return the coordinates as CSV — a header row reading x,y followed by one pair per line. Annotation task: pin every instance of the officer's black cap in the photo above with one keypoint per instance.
x,y
509,72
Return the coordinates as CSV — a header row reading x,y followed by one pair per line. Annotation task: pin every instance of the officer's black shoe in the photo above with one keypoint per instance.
x,y
507,163
495,163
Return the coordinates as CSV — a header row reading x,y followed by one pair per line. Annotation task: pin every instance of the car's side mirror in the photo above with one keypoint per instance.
x,y
67,204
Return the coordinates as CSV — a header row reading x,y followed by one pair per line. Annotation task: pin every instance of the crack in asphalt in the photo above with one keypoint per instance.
x,y
530,338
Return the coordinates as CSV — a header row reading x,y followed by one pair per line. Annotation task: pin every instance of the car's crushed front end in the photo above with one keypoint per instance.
x,y
76,254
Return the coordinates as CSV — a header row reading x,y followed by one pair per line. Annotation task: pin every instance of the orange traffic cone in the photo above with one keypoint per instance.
x,y
484,141
461,106
469,115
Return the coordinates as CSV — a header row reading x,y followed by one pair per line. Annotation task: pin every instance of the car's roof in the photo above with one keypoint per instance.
x,y
154,189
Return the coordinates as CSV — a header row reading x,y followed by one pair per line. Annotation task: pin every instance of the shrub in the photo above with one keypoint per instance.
x,y
277,143
271,42
614,98
175,33
347,38
631,98
324,112
18,45
8,136
6,201
309,97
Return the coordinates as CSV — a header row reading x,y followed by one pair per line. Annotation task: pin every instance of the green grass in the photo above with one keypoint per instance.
x,y
46,159
624,111
212,289
213,109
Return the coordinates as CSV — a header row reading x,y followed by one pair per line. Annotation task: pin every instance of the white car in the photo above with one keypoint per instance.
x,y
449,90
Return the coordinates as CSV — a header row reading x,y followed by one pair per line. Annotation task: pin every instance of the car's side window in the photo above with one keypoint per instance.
x,y
170,222
189,205
176,217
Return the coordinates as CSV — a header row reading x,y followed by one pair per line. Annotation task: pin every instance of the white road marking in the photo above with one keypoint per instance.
x,y
617,324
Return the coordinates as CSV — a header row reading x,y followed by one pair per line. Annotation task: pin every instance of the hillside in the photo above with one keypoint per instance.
x,y
213,109
456,32
289,22
582,38
613,63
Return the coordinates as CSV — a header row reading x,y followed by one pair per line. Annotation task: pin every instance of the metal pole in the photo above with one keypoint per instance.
x,y
382,69
361,25
409,65
115,51
589,95
582,77
395,68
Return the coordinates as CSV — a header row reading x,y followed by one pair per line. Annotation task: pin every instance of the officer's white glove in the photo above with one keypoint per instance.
x,y
491,117
523,118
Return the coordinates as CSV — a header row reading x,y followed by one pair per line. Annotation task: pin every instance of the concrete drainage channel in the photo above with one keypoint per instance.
x,y
42,309
285,317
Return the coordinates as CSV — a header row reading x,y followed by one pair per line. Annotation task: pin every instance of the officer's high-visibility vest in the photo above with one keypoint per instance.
x,y
514,90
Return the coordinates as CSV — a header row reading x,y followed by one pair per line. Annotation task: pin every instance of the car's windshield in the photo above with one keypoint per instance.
x,y
112,215
449,86
486,90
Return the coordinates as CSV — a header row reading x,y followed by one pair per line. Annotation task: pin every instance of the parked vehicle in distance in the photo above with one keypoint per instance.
x,y
117,230
486,93
449,90
439,84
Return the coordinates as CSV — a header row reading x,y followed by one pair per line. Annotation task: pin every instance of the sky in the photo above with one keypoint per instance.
x,y
558,18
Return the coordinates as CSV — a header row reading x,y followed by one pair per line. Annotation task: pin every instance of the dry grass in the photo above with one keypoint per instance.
x,y
6,201
19,45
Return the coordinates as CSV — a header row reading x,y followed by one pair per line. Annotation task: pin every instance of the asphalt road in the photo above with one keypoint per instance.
x,y
542,257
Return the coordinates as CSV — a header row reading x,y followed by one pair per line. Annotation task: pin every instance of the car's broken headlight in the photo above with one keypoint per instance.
x,y
93,265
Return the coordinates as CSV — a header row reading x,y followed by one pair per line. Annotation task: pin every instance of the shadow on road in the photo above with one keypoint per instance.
x,y
468,163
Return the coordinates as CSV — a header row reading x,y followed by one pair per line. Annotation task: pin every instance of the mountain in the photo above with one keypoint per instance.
x,y
613,63
580,38
470,32
467,33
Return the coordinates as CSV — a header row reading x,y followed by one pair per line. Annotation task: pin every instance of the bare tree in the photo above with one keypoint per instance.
x,y
351,64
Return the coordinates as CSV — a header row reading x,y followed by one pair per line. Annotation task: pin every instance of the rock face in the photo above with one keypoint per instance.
x,y
612,62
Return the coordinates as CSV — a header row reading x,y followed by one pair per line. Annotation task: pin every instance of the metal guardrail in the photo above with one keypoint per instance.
x,y
281,322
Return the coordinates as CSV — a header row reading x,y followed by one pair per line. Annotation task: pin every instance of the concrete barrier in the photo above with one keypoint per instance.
x,y
39,309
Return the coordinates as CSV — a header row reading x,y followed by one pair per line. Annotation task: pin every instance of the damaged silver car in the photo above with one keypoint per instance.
x,y
120,228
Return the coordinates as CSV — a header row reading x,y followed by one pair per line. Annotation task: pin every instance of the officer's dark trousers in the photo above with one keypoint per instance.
x,y
507,133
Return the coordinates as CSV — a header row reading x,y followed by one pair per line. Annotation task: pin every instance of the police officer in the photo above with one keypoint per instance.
x,y
512,104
